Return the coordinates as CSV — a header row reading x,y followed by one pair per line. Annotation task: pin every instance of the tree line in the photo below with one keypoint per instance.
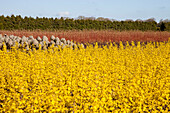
x,y
29,23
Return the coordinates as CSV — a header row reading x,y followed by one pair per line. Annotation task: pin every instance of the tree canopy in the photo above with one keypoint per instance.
x,y
82,23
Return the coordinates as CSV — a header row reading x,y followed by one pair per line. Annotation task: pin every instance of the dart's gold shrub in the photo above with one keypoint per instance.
x,y
124,79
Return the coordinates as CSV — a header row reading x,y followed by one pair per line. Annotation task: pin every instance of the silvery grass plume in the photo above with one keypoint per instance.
x,y
30,42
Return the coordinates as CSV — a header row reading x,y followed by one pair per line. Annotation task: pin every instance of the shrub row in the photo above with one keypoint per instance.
x,y
30,42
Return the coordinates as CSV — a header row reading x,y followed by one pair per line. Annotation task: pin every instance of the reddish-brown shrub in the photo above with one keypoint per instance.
x,y
99,36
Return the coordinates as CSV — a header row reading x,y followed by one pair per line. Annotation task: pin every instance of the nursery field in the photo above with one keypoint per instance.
x,y
91,36
130,78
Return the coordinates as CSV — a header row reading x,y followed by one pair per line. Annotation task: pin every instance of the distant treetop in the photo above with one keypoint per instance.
x,y
81,23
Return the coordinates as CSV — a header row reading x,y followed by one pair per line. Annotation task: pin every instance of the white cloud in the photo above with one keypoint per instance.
x,y
66,13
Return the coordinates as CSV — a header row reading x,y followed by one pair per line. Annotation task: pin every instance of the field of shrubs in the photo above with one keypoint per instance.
x,y
41,75
92,36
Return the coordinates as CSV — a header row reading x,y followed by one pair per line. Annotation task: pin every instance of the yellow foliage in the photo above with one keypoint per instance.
x,y
124,79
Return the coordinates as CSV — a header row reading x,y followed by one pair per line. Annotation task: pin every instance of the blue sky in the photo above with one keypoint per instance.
x,y
113,9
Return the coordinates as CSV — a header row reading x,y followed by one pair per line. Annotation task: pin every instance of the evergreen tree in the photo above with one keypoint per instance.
x,y
162,26
28,23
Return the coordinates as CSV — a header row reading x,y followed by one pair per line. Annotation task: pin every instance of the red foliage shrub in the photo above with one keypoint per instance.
x,y
99,36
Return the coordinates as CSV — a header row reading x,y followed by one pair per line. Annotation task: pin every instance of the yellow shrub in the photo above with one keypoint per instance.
x,y
131,79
